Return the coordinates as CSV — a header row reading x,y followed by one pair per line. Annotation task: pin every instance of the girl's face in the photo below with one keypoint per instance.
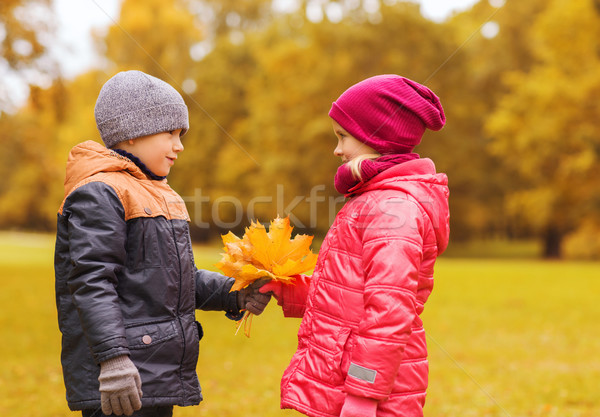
x,y
348,147
158,152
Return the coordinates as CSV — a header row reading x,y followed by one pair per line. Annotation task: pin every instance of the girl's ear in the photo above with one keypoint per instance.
x,y
130,141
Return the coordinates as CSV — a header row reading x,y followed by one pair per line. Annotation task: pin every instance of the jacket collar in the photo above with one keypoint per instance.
x,y
407,170
90,158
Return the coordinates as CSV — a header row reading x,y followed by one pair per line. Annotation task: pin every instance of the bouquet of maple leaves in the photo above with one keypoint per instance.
x,y
260,254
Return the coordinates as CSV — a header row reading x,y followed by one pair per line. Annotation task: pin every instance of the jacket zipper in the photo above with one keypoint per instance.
x,y
179,295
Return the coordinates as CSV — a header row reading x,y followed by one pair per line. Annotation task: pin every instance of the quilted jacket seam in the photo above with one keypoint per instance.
x,y
390,288
407,393
341,286
337,319
315,345
382,339
306,409
345,252
392,238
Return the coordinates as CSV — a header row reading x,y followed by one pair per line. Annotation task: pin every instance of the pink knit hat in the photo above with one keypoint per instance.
x,y
388,112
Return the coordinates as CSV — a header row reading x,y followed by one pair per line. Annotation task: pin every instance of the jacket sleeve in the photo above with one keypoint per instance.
x,y
97,233
293,296
212,293
392,252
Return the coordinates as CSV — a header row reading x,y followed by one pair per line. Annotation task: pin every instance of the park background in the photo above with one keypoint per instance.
x,y
512,321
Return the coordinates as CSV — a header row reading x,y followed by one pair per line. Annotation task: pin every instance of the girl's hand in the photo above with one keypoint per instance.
x,y
272,288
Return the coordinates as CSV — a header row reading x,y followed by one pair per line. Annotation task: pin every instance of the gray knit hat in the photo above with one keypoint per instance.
x,y
133,104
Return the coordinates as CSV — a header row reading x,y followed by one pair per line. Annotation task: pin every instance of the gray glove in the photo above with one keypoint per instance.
x,y
251,299
120,386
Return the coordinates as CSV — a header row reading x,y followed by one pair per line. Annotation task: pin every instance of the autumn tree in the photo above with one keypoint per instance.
x,y
26,29
29,194
259,82
268,138
545,128
154,36
55,116
489,41
223,18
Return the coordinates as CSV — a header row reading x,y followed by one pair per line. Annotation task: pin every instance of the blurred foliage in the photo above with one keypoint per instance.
x,y
26,30
21,31
518,83
154,36
546,128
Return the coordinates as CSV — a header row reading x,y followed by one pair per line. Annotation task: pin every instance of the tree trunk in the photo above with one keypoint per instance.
x,y
552,243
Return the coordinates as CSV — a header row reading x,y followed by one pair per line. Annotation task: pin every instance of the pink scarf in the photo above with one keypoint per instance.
x,y
345,181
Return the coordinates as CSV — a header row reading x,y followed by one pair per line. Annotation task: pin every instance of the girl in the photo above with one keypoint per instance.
x,y
361,345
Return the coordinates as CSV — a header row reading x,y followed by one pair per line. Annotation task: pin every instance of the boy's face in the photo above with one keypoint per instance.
x,y
158,152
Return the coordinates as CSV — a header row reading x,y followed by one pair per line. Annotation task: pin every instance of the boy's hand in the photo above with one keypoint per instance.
x,y
120,386
251,299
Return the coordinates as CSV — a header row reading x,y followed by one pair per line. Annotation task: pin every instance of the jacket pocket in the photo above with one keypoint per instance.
x,y
341,356
147,335
149,243
157,349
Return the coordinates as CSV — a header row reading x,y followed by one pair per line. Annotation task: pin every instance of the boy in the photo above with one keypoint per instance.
x,y
126,283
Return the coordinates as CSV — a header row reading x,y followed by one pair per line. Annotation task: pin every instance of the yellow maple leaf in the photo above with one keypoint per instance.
x,y
261,254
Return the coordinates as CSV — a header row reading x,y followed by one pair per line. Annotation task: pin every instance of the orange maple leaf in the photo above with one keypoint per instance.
x,y
259,254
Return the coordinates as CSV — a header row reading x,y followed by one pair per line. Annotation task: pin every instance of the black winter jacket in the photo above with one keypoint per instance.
x,y
126,282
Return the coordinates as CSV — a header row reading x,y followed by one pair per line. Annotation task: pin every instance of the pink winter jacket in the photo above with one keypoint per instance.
x,y
361,332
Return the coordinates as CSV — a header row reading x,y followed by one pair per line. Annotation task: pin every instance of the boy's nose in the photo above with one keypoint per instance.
x,y
178,146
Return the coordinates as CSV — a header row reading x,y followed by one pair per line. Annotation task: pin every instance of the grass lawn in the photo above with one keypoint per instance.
x,y
507,337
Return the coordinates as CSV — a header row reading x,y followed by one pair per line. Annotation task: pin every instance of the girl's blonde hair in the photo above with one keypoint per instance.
x,y
356,163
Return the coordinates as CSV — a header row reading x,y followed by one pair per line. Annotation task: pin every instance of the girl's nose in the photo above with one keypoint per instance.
x,y
338,150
